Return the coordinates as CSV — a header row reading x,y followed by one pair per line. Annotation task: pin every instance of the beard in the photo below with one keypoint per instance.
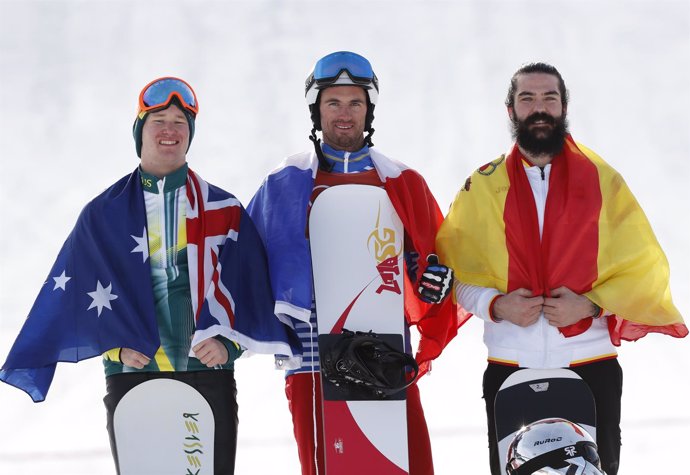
x,y
541,140
343,141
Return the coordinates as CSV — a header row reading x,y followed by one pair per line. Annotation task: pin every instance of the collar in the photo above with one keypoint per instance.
x,y
527,163
348,162
153,184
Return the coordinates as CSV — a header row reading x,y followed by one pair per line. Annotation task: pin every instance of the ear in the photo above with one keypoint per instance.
x,y
511,112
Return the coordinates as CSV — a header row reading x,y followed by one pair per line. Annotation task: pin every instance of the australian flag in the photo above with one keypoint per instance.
x,y
98,295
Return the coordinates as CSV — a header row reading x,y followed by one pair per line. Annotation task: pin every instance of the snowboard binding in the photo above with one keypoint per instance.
x,y
365,360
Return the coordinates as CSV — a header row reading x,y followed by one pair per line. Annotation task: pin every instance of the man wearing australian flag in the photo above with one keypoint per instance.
x,y
342,92
551,249
164,275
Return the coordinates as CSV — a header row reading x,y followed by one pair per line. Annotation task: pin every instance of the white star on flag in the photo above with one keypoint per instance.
x,y
101,297
61,281
142,244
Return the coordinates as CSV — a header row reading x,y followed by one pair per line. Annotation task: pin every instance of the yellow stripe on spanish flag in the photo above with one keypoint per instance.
x,y
471,239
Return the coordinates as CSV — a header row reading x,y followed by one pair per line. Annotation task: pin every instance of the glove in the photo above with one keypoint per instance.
x,y
436,281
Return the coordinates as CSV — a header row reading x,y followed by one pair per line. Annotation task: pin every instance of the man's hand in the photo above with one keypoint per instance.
x,y
565,307
133,358
211,352
518,307
436,281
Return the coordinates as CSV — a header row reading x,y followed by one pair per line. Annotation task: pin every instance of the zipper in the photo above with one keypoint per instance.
x,y
346,162
543,322
161,219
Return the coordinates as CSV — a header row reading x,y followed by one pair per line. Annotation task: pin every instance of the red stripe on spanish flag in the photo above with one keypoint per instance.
x,y
596,241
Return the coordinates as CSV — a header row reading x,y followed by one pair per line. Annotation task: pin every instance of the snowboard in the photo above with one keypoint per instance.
x,y
356,240
532,394
164,426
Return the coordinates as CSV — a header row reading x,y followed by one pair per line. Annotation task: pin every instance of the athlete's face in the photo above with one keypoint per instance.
x,y
538,114
164,141
343,113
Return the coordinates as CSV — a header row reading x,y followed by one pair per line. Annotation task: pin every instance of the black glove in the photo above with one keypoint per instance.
x,y
436,281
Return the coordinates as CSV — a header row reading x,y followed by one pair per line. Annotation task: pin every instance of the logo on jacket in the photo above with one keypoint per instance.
x,y
490,167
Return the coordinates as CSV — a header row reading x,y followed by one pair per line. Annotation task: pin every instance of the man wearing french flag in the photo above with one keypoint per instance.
x,y
164,275
342,92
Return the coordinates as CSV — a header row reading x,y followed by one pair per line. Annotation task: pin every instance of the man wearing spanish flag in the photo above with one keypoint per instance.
x,y
553,252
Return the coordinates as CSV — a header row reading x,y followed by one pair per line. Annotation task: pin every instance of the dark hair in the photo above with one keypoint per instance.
x,y
536,68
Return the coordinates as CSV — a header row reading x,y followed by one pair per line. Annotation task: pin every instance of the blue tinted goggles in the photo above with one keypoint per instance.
x,y
160,92
330,67
340,69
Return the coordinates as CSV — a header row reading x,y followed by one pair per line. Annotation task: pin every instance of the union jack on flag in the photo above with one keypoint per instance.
x,y
98,295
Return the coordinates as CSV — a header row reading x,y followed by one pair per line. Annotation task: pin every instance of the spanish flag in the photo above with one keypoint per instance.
x,y
596,240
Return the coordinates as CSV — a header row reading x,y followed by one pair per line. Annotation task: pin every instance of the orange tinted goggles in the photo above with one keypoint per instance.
x,y
160,92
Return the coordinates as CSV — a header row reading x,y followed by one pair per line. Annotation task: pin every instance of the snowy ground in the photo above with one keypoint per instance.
x,y
70,72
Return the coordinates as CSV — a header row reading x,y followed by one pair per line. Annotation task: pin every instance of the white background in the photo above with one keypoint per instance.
x,y
70,73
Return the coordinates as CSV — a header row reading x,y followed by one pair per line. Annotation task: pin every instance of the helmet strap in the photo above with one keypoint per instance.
x,y
323,163
367,138
368,120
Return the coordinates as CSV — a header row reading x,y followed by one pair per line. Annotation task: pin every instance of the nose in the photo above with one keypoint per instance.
x,y
539,106
344,113
167,127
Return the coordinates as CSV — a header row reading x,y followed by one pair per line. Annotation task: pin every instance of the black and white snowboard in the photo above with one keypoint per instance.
x,y
532,394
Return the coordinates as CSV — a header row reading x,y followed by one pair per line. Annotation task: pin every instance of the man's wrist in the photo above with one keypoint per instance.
x,y
492,314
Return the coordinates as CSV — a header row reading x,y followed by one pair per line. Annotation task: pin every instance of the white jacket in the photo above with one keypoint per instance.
x,y
540,345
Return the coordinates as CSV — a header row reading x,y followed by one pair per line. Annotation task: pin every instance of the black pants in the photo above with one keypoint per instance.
x,y
219,389
605,379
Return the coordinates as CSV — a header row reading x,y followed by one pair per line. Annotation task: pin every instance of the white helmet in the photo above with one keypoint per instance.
x,y
342,68
553,446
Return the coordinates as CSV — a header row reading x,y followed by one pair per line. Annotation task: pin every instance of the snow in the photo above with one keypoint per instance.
x,y
70,73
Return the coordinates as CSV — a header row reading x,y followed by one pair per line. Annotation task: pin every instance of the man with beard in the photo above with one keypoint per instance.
x,y
552,251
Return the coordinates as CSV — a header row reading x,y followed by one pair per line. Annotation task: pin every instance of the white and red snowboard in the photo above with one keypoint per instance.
x,y
164,426
532,394
356,240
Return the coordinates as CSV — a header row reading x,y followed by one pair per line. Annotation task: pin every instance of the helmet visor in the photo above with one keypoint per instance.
x,y
160,92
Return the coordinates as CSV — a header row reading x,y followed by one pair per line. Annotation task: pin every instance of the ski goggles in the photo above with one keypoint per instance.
x,y
159,92
329,68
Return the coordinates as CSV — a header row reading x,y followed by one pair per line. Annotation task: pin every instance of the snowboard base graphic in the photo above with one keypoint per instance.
x,y
532,394
356,241
164,426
